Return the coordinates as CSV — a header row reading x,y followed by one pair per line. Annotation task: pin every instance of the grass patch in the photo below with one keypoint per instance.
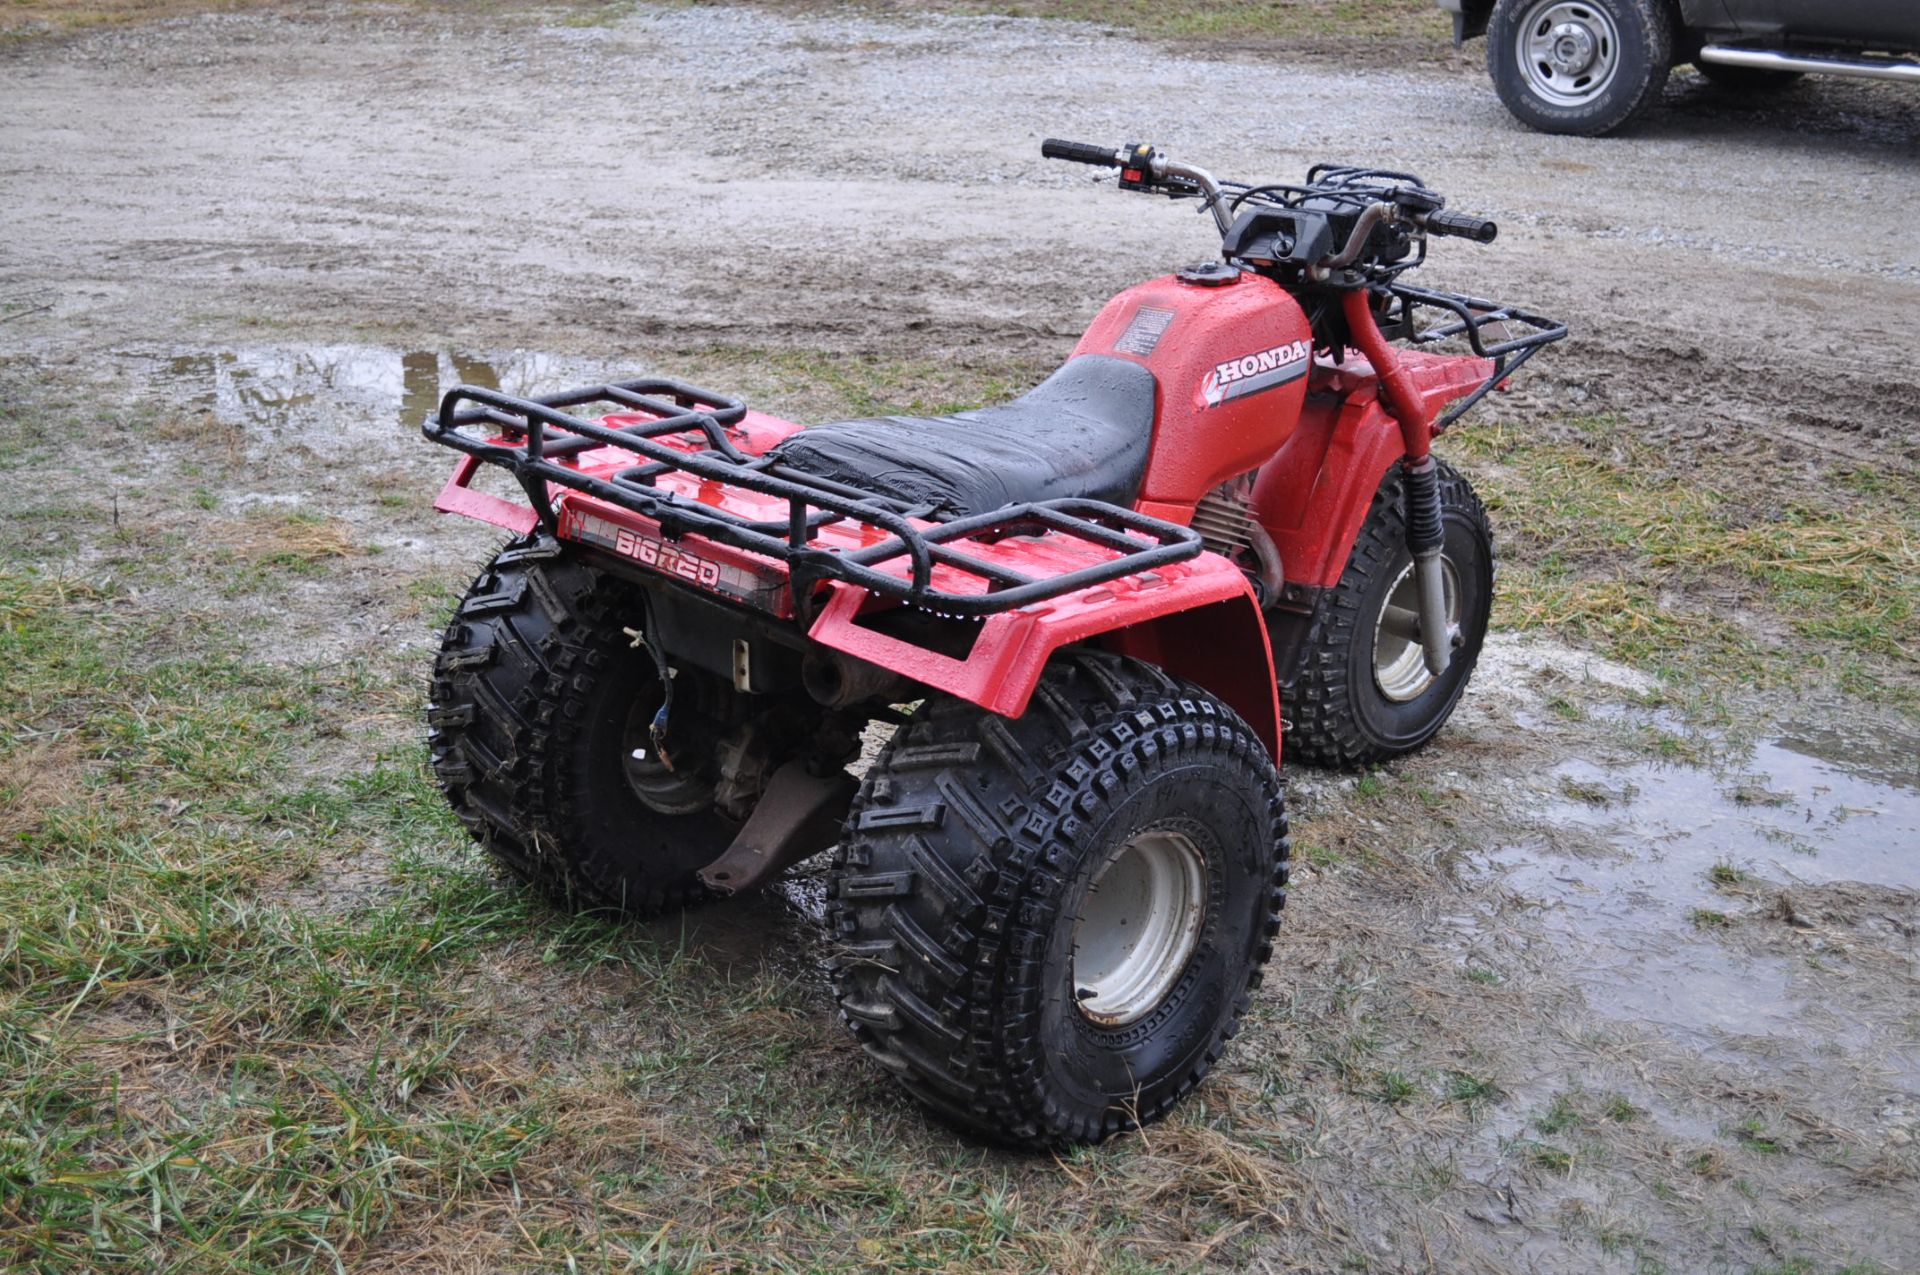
x,y
1310,24
1755,1135
1725,872
1618,1109
1555,1160
1356,26
183,1056
1472,1091
1616,546
1560,1116
212,1059
1394,1088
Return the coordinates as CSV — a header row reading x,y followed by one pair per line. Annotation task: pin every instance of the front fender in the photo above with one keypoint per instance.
x,y
1313,496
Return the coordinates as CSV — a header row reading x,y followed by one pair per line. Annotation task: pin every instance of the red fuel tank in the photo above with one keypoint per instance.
x,y
1231,359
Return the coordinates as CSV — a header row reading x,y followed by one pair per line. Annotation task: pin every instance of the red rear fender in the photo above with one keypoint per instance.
x,y
1198,620
1222,648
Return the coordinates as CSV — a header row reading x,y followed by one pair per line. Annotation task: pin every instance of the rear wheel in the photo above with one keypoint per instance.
x,y
1582,67
1364,693
1049,927
539,735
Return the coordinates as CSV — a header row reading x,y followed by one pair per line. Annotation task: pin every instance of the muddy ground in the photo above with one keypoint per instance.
x,y
1595,983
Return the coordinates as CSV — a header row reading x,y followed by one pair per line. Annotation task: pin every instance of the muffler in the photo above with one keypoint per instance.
x,y
841,681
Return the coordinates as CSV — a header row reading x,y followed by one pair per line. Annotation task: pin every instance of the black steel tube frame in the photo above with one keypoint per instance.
x,y
1471,315
1143,542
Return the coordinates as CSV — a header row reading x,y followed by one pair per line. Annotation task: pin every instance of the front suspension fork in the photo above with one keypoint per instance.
x,y
1425,533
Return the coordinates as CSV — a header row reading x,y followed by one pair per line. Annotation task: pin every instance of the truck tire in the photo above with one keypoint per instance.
x,y
976,960
1363,693
531,730
1580,67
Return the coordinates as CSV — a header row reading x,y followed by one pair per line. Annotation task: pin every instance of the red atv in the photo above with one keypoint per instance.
x,y
1081,611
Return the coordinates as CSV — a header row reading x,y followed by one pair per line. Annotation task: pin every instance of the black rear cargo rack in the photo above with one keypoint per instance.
x,y
1470,316
535,458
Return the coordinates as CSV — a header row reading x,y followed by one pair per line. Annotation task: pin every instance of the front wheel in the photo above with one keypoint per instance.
x,y
1580,67
1048,928
1364,693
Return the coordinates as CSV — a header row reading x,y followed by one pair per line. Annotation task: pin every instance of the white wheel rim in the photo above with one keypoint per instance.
x,y
1399,658
1567,51
1138,927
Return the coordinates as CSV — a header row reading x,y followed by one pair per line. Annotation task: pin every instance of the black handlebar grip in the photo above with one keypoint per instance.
x,y
1478,229
1081,152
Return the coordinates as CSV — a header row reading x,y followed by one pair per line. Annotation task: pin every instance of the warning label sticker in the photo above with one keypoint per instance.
x,y
1144,333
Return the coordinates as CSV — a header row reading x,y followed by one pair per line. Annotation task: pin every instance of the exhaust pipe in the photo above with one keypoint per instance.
x,y
1768,60
840,681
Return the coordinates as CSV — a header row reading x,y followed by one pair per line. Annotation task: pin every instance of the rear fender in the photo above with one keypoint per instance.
x,y
1198,620
1223,649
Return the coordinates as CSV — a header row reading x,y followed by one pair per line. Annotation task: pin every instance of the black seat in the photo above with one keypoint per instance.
x,y
1084,431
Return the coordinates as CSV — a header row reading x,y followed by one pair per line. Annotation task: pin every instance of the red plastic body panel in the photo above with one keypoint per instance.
x,y
1314,494
1231,362
1176,616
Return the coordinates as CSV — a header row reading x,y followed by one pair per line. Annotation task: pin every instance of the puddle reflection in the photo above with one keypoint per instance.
x,y
272,389
1811,810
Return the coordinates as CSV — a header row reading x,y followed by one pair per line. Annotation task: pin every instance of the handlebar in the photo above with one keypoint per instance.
x,y
1149,166
1404,203
1461,225
1081,153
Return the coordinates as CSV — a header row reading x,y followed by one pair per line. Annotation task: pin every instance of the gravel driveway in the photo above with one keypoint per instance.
x,y
735,174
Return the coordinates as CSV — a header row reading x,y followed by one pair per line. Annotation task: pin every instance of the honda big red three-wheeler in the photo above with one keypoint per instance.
x,y
1086,613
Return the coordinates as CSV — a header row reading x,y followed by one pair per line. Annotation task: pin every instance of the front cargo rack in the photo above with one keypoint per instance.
x,y
527,448
1470,317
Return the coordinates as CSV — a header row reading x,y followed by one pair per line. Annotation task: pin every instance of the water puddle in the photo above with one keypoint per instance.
x,y
355,389
1705,905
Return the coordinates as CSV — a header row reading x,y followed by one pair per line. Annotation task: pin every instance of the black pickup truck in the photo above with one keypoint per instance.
x,y
1591,67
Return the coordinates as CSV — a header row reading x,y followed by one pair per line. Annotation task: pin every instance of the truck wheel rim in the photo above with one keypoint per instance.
x,y
1568,52
1138,927
1399,659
